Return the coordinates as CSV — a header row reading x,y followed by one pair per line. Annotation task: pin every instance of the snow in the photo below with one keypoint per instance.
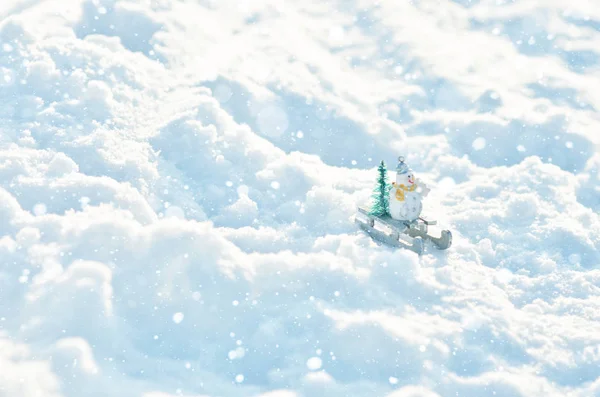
x,y
178,181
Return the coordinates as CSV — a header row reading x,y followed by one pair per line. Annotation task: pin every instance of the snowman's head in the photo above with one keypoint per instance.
x,y
404,175
406,179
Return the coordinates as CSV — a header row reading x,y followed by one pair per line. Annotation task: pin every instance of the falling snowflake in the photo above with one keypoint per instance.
x,y
314,363
178,317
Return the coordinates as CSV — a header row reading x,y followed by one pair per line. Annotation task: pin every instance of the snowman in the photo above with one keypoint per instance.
x,y
406,194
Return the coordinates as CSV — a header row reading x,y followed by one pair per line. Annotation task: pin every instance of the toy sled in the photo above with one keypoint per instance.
x,y
402,234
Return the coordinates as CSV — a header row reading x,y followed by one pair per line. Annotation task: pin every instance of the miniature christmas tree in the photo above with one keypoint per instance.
x,y
381,203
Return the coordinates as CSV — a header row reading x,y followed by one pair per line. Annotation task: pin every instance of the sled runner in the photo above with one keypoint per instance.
x,y
402,234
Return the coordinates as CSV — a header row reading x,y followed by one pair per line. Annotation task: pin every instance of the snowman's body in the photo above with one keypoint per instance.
x,y
408,209
404,199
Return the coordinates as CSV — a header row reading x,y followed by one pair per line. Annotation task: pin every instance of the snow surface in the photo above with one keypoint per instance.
x,y
178,181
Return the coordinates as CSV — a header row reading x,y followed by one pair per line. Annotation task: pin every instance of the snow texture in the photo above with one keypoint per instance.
x,y
178,181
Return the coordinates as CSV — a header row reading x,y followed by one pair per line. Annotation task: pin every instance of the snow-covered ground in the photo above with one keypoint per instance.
x,y
178,181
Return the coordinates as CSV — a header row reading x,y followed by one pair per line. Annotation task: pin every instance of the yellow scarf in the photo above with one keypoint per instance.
x,y
400,189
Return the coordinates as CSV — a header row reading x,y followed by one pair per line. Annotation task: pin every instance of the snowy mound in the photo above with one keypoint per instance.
x,y
178,181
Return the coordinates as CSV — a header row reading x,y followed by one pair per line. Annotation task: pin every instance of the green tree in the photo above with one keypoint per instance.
x,y
381,202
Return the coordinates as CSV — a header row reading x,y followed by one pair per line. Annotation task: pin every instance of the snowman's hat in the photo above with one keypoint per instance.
x,y
402,168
